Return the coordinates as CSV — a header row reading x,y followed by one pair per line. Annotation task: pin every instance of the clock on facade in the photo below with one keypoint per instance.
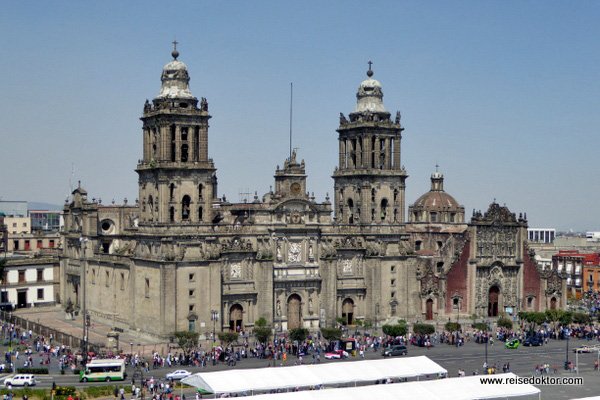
x,y
295,188
236,270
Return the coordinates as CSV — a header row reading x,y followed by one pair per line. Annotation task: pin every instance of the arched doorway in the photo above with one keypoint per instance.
x,y
348,311
429,309
553,303
294,312
236,313
185,207
493,301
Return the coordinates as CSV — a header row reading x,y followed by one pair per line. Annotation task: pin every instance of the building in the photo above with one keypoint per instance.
x,y
184,258
30,282
536,235
570,262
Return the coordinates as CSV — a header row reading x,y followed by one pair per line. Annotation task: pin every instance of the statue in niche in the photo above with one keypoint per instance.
x,y
279,257
310,306
278,309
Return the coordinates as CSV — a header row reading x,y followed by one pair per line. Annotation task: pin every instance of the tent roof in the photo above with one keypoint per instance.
x,y
466,388
334,373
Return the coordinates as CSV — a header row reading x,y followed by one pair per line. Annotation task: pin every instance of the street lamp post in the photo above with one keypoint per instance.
x,y
84,242
214,318
567,361
487,338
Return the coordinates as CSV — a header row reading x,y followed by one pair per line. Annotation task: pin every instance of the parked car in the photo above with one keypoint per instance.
x,y
533,341
513,344
336,354
179,374
585,349
20,380
396,350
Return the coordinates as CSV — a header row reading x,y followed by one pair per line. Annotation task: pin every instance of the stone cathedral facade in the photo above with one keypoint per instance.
x,y
182,255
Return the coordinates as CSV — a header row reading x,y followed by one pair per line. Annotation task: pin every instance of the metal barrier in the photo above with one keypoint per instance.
x,y
43,330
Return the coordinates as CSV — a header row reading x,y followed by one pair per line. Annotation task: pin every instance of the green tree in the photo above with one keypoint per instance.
x,y
331,334
341,320
552,317
227,337
581,318
480,326
187,340
262,334
505,323
566,318
423,329
261,322
299,334
394,330
452,326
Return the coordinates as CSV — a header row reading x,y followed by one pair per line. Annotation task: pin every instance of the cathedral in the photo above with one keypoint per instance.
x,y
182,258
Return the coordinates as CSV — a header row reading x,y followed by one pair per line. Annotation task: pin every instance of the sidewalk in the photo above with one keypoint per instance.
x,y
55,318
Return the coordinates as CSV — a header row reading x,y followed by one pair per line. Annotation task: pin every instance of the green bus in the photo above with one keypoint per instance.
x,y
104,370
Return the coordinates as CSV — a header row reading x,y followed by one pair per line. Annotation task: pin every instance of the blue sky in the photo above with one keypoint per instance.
x,y
504,96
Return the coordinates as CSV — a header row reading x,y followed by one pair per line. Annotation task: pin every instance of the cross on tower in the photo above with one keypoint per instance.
x,y
436,167
175,43
370,63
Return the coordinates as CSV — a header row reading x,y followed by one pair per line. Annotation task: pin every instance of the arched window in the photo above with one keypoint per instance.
x,y
373,195
172,214
172,142
350,211
200,190
184,152
200,213
185,207
171,191
384,205
151,206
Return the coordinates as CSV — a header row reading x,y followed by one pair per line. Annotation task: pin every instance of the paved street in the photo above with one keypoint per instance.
x,y
469,357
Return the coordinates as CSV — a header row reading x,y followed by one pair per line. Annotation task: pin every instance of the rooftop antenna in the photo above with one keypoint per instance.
x,y
71,179
291,98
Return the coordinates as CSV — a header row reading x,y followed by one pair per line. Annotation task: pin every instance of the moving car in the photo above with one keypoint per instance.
x,y
20,380
585,349
396,350
513,344
533,341
336,354
179,374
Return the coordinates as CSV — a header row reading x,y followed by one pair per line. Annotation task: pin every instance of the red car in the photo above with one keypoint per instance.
x,y
336,354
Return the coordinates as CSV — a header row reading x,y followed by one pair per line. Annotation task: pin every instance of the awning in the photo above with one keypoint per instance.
x,y
466,388
327,374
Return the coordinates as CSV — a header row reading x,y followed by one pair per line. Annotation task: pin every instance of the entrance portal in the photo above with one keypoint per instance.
x,y
429,309
348,311
493,301
294,312
22,299
236,313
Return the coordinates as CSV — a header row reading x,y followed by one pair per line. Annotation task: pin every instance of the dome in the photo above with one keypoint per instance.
x,y
369,97
436,201
175,81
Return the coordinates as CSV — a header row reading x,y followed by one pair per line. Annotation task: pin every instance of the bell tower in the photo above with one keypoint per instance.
x,y
369,180
177,181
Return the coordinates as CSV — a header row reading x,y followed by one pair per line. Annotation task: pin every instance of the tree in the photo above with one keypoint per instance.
x,y
480,326
566,318
581,318
423,329
227,337
299,334
505,323
394,330
187,340
340,320
261,322
262,334
452,326
69,308
553,316
331,334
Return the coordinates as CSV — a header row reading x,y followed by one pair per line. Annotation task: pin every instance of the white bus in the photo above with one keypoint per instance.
x,y
103,370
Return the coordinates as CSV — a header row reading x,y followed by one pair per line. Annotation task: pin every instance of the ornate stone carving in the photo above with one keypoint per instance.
x,y
327,250
554,285
430,285
235,245
295,252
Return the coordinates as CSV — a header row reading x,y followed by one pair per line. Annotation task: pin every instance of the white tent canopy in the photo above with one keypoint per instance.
x,y
335,373
466,388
